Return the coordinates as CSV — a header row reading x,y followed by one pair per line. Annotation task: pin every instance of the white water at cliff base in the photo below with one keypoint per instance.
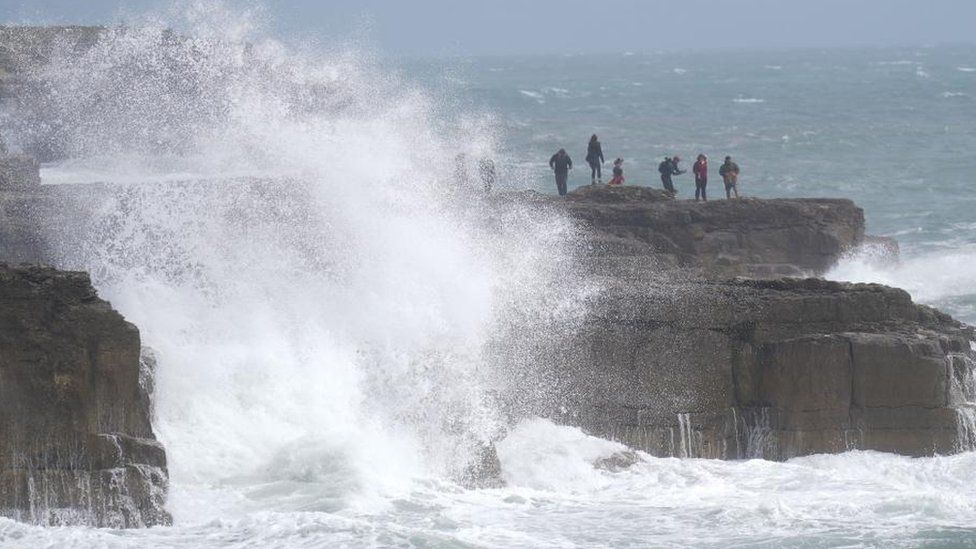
x,y
557,498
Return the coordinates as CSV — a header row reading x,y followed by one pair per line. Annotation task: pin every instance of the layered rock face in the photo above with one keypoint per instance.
x,y
676,359
772,369
76,442
719,239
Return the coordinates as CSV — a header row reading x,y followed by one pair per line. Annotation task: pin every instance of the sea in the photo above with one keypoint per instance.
x,y
321,371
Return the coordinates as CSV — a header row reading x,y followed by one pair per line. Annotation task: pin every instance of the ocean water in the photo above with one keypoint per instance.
x,y
322,378
893,129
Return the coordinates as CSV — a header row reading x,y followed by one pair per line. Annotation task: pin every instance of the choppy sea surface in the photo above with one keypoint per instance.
x,y
318,376
893,129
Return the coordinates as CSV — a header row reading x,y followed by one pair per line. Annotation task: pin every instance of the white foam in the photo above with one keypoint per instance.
x,y
929,278
322,340
541,455
749,100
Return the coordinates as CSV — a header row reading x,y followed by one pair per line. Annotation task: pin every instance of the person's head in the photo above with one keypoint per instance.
x,y
594,139
618,161
728,159
561,152
702,158
677,158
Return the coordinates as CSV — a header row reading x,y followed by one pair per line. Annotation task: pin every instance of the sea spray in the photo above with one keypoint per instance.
x,y
941,278
317,288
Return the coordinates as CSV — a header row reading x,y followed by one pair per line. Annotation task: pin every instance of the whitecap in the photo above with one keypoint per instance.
x,y
920,72
556,91
896,63
774,67
680,71
533,95
949,94
749,100
966,69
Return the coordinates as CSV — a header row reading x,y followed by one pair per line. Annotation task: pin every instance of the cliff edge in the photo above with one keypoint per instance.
x,y
679,355
77,442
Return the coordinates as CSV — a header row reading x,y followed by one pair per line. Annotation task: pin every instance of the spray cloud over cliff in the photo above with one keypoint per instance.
x,y
289,234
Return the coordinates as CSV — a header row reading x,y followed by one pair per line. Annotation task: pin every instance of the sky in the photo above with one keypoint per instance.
x,y
465,27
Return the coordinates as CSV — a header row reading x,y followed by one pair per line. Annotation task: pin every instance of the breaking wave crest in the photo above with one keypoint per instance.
x,y
291,234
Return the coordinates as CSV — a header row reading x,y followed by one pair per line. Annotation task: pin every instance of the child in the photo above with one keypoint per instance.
x,y
618,173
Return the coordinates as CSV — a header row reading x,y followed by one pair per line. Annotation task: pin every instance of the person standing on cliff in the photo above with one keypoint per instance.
x,y
561,163
701,177
667,169
594,157
730,175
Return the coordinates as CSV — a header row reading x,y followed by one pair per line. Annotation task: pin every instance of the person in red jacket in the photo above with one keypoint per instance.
x,y
701,177
618,173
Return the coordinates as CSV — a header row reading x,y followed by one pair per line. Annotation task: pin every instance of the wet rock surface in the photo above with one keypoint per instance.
x,y
719,238
76,442
771,369
677,359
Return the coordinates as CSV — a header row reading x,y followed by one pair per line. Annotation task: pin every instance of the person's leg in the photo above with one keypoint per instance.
x,y
561,183
735,189
728,191
599,173
704,187
592,173
698,191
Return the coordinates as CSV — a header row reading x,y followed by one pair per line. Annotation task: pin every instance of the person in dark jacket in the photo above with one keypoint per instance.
x,y
561,163
667,169
701,177
730,175
594,157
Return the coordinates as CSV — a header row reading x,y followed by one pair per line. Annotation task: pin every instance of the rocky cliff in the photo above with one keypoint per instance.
x,y
774,369
675,355
675,359
77,442
718,239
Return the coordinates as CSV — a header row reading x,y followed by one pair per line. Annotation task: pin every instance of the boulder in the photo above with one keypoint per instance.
x,y
77,442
